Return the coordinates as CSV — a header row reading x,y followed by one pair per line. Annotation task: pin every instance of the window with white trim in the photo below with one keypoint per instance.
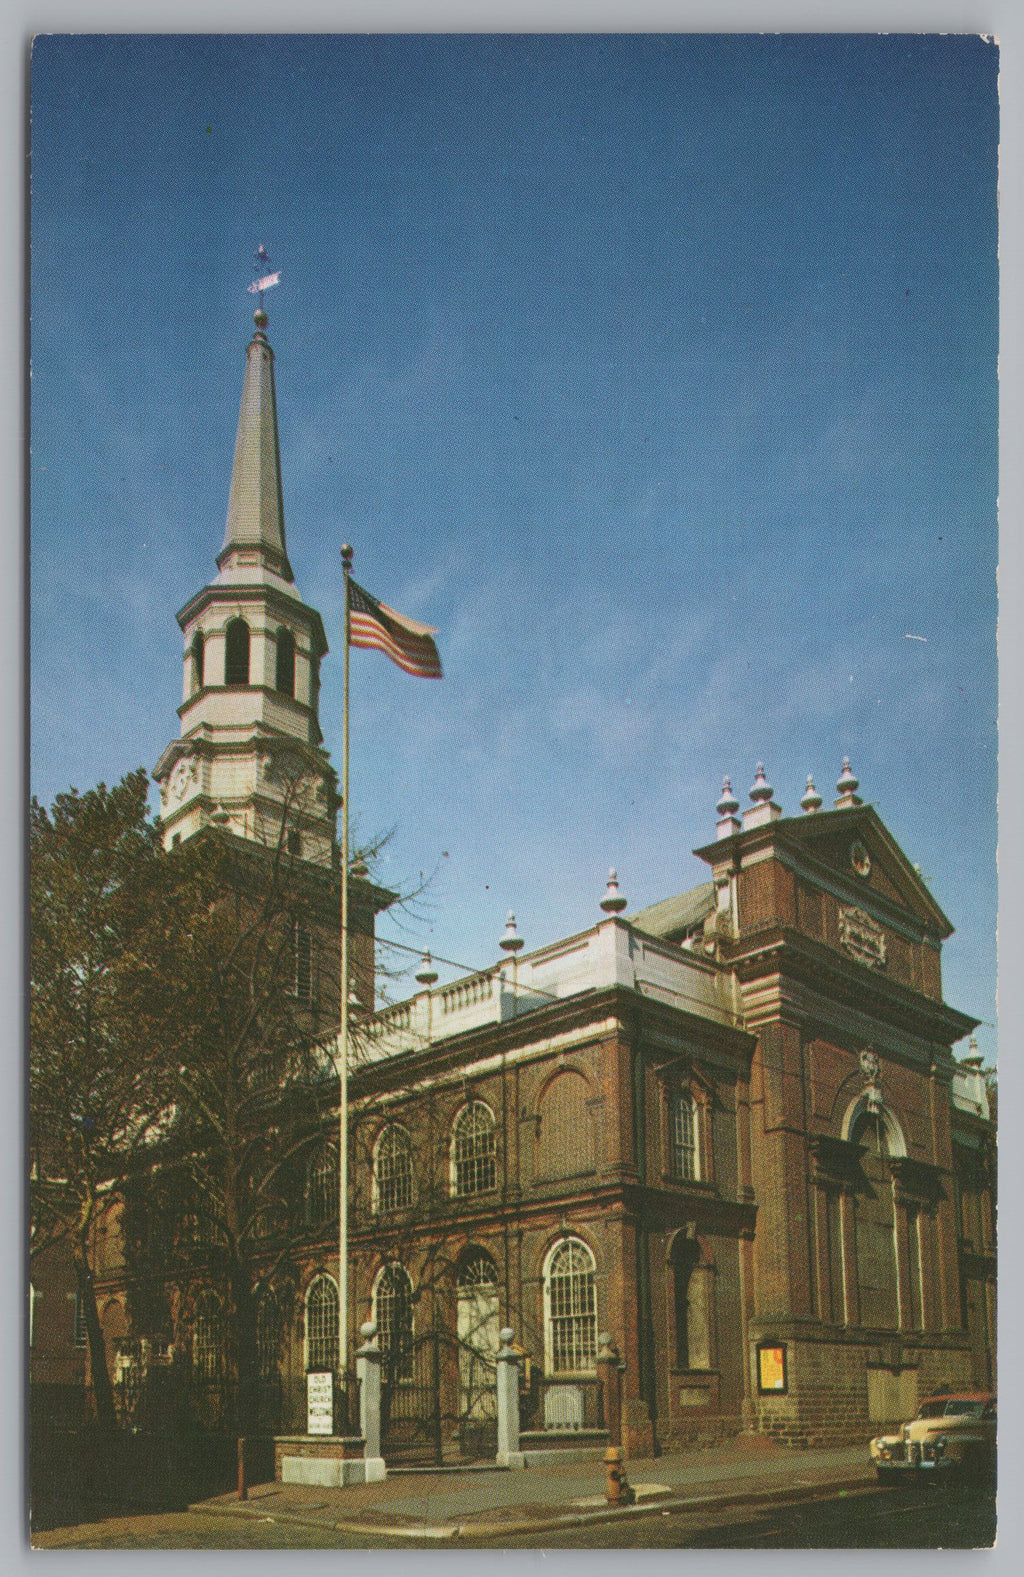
x,y
323,1186
685,1150
322,1324
570,1307
236,653
392,1304
207,1340
392,1170
474,1158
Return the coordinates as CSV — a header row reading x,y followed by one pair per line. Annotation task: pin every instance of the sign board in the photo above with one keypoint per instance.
x,y
771,1368
320,1403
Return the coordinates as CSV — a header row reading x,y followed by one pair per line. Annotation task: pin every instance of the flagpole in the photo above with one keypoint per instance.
x,y
346,559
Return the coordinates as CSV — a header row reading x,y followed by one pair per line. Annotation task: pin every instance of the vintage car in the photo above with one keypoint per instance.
x,y
953,1432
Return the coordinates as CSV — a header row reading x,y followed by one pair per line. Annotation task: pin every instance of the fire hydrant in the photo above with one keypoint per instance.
x,y
617,1491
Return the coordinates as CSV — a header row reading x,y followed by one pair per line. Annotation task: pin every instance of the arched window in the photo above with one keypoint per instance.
x,y
198,660
570,1306
269,1333
392,1170
478,1326
236,653
685,1153
874,1214
207,1339
474,1163
284,673
322,1324
392,1307
322,1186
565,1138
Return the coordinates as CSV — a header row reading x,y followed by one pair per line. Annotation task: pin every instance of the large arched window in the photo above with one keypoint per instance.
x,y
474,1162
392,1170
570,1309
565,1132
392,1307
207,1339
322,1324
198,660
685,1152
322,1186
284,667
875,1221
236,653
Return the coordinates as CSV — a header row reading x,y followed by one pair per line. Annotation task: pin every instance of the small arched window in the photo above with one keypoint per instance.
x,y
685,1152
284,674
392,1305
207,1339
321,1324
570,1307
474,1164
392,1170
322,1186
236,653
198,660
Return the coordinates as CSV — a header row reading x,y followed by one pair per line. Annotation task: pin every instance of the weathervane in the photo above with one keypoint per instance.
x,y
261,279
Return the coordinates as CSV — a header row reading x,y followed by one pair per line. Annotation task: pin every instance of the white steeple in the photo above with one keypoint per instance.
x,y
250,756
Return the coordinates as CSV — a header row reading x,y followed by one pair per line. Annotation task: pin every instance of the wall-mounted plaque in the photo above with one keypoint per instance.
x,y
861,937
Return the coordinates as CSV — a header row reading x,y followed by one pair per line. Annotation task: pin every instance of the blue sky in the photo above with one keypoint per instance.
x,y
658,372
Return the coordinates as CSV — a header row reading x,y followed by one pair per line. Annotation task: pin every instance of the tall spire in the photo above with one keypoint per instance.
x,y
255,505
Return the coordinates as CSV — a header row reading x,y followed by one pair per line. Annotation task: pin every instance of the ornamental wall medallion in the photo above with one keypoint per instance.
x,y
861,937
860,859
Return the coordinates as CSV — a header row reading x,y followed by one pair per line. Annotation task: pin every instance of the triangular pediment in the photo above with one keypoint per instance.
x,y
855,845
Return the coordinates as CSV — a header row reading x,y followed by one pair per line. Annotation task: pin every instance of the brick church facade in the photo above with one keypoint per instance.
x,y
728,1131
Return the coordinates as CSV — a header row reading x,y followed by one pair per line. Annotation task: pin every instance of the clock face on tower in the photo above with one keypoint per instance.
x,y
183,774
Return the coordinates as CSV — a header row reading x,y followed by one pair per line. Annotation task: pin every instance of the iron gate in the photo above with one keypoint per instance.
x,y
438,1401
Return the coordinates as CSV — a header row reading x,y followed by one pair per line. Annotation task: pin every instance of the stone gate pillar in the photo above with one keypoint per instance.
x,y
509,1454
368,1377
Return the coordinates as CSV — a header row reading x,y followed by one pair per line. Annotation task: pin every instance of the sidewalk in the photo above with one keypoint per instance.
x,y
482,1504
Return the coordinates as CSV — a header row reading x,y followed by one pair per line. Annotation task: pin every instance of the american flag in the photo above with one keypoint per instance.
x,y
373,623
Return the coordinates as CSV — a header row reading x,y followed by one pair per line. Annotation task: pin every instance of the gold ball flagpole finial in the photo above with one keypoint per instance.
x,y
346,556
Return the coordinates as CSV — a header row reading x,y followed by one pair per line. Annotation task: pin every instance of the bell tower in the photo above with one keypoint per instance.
x,y
250,756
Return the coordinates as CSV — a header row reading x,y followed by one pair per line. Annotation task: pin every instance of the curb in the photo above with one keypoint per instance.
x,y
674,1504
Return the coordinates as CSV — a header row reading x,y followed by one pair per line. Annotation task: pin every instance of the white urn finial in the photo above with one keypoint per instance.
x,y
613,901
511,942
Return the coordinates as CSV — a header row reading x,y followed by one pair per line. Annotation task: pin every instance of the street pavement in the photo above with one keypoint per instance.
x,y
495,1506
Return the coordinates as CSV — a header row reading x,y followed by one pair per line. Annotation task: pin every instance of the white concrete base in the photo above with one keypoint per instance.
x,y
333,1472
563,1454
511,1459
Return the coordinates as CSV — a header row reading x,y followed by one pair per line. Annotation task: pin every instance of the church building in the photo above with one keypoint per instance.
x,y
728,1132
